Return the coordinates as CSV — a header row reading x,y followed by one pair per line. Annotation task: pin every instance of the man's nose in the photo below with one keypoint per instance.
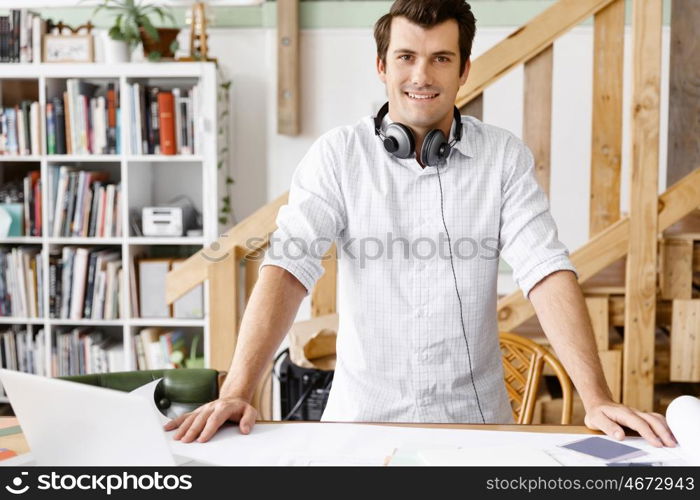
x,y
421,77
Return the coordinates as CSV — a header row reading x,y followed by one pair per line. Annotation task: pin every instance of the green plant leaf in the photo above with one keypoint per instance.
x,y
150,30
154,56
116,34
223,220
229,180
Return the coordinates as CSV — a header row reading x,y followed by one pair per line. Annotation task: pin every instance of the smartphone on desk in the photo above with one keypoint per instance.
x,y
605,449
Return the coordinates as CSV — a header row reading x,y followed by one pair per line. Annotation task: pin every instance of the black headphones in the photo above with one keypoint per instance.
x,y
398,139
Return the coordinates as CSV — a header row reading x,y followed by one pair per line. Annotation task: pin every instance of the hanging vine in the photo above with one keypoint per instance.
x,y
223,165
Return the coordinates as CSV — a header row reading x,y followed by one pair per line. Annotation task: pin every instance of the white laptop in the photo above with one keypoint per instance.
x,y
67,423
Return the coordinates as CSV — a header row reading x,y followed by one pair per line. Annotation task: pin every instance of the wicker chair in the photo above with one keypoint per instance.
x,y
523,361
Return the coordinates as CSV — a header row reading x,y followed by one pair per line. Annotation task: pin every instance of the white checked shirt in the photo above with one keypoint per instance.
x,y
401,353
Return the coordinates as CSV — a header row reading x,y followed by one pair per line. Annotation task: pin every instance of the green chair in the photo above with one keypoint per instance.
x,y
181,390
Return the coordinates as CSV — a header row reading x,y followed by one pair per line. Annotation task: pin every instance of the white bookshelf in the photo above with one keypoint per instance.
x,y
146,180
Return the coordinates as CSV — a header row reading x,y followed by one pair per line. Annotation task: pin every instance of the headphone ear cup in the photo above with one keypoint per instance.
x,y
404,142
434,148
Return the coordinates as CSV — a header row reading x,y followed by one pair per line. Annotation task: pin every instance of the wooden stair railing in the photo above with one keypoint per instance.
x,y
608,246
525,43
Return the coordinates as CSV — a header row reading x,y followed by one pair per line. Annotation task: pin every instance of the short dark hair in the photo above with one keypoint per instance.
x,y
428,13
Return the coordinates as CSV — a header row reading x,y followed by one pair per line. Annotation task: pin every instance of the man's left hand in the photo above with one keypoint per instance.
x,y
609,416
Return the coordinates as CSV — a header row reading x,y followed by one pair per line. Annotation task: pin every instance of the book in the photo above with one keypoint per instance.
x,y
112,119
166,123
154,128
79,282
50,129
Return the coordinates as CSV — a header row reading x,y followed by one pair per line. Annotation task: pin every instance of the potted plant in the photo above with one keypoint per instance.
x,y
133,25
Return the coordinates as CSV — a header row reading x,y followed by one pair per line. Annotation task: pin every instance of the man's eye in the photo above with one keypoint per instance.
x,y
405,57
442,59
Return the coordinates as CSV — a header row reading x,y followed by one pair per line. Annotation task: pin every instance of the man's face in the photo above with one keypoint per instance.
x,y
421,72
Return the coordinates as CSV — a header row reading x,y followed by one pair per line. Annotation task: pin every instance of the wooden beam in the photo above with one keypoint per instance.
x,y
606,148
288,87
474,108
323,296
685,341
676,273
640,298
525,43
223,311
248,236
537,113
684,89
607,247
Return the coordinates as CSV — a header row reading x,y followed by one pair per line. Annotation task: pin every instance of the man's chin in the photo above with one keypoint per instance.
x,y
423,120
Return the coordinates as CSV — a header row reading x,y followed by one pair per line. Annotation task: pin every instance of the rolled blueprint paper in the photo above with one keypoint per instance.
x,y
683,417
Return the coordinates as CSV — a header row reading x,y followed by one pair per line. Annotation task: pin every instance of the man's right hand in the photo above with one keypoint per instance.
x,y
202,423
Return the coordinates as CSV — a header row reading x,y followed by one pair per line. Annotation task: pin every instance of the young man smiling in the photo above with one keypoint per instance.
x,y
418,335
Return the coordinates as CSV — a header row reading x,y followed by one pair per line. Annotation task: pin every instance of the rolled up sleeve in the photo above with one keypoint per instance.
x,y
528,234
313,216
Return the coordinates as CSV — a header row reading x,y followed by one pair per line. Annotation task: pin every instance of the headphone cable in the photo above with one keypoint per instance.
x,y
459,298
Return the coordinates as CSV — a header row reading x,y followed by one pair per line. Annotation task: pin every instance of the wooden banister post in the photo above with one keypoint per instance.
x,y
640,286
684,86
606,147
223,310
288,88
537,113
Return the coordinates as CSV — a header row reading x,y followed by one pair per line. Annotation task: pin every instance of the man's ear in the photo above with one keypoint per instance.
x,y
465,73
381,69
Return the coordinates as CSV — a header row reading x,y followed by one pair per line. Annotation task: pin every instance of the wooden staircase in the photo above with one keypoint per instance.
x,y
619,266
678,290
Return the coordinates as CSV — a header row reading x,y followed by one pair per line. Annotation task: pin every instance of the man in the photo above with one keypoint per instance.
x,y
418,337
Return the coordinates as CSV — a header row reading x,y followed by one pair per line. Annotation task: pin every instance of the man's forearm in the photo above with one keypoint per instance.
x,y
269,315
561,310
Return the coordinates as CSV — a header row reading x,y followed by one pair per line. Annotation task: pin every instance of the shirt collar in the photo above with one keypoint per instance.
x,y
462,145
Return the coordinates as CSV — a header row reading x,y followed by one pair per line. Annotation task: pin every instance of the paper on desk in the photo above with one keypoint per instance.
x,y
148,391
494,455
344,444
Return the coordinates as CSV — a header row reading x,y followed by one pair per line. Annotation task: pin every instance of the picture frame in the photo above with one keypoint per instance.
x,y
68,48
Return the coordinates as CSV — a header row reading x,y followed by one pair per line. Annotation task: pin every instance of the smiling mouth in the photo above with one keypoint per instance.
x,y
421,97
